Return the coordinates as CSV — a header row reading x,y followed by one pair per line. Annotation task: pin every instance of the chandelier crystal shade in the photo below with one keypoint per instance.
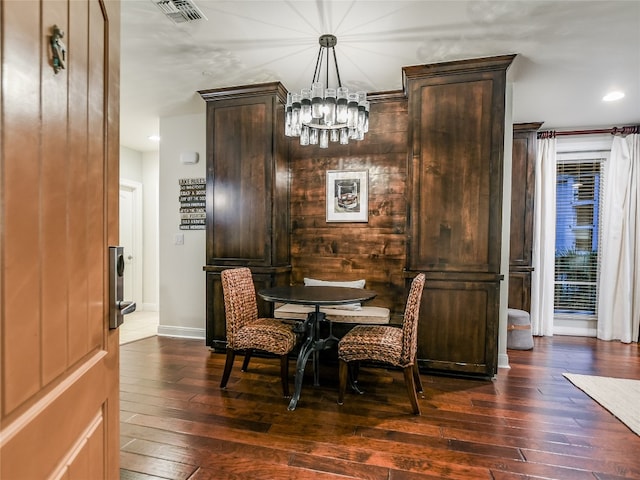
x,y
318,115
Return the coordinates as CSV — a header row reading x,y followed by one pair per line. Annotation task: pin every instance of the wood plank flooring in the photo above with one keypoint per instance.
x,y
528,423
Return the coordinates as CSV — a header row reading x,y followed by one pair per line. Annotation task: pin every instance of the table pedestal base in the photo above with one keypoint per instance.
x,y
312,346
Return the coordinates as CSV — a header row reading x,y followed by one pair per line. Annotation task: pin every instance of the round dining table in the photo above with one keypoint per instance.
x,y
318,296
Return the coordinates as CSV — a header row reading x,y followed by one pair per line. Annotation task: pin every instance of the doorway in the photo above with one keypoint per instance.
x,y
131,239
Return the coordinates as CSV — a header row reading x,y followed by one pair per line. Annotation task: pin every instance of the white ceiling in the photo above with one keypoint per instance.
x,y
569,53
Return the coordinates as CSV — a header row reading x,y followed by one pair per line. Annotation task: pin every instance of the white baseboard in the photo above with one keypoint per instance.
x,y
503,360
181,332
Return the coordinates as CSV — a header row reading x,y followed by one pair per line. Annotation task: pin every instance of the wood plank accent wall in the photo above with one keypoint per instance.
x,y
375,251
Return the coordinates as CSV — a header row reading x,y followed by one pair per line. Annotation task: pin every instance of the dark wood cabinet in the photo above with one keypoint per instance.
x,y
247,193
522,203
454,217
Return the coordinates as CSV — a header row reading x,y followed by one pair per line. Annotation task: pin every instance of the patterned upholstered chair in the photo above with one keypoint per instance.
x,y
388,344
247,332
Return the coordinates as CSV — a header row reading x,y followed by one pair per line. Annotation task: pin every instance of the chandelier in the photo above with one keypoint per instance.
x,y
318,115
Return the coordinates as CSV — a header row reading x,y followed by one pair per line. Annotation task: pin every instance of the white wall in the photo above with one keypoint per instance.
x,y
150,279
130,164
182,280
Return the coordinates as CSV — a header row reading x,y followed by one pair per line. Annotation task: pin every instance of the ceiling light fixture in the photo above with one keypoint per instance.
x,y
318,115
612,96
154,138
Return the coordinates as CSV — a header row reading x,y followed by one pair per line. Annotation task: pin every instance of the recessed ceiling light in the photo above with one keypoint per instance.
x,y
154,138
612,96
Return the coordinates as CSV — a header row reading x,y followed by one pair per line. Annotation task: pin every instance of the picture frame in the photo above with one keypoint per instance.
x,y
347,196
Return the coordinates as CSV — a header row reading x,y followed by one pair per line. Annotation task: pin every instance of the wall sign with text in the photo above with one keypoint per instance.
x,y
192,203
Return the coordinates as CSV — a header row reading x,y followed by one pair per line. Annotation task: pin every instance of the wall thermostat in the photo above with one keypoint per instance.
x,y
189,158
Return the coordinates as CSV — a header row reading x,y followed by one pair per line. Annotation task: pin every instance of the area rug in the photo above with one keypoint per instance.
x,y
620,396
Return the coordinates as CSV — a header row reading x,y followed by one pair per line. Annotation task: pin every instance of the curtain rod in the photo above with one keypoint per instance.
x,y
613,131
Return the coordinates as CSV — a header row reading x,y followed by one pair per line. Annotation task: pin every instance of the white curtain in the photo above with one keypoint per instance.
x,y
544,239
619,285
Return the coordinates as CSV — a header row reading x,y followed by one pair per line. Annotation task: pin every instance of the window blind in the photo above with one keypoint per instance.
x,y
578,193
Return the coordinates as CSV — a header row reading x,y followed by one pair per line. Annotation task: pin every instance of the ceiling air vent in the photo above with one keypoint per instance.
x,y
180,11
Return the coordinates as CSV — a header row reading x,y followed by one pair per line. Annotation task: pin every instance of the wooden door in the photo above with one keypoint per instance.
x,y
59,213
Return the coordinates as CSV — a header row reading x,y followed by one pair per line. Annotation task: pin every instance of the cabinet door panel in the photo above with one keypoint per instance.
x,y
520,290
216,327
240,212
522,196
455,220
457,330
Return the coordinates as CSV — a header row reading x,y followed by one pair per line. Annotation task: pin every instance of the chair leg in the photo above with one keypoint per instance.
x,y
247,357
354,371
411,389
284,374
416,377
231,355
343,374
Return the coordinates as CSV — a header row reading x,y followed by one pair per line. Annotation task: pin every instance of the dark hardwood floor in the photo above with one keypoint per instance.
x,y
528,423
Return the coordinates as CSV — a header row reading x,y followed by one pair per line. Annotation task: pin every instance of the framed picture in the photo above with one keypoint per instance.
x,y
347,196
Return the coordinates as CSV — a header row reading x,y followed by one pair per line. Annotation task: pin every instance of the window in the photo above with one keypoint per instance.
x,y
578,187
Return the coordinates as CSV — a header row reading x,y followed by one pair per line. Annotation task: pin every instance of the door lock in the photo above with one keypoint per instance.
x,y
118,307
